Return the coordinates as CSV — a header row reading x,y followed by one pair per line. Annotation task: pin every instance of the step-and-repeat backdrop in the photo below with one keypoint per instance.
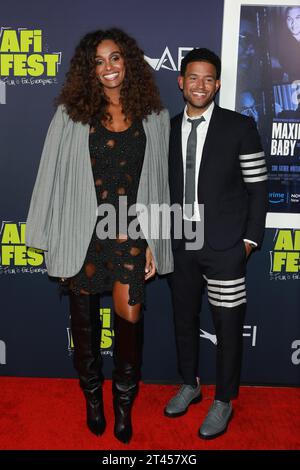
x,y
260,53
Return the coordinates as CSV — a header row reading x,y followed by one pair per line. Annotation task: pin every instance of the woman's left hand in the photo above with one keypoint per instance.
x,y
150,268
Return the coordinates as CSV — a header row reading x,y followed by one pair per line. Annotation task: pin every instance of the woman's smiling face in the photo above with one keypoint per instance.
x,y
110,64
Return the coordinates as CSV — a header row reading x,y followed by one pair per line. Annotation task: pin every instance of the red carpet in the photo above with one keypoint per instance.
x,y
50,414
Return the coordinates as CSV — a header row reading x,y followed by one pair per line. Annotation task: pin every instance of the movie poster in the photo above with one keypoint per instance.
x,y
267,88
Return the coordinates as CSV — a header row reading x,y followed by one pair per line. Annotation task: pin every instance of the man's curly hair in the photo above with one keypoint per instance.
x,y
82,93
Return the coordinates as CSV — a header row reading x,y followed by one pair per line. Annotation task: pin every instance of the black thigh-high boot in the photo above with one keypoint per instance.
x,y
128,360
86,333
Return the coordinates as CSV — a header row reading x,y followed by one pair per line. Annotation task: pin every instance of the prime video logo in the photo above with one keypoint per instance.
x,y
276,198
167,61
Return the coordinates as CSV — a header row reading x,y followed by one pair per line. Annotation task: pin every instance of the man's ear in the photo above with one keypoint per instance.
x,y
180,82
218,84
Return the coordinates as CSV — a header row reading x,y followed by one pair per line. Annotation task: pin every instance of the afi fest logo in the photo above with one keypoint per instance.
x,y
167,61
23,59
15,256
285,256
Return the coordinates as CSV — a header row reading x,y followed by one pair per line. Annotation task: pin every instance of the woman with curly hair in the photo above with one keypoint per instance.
x,y
106,148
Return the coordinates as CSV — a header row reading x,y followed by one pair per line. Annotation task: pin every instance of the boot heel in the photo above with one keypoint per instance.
x,y
127,359
86,332
124,396
97,427
95,418
124,435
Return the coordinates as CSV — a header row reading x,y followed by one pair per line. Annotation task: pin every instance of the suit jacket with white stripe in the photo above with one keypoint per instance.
x,y
232,182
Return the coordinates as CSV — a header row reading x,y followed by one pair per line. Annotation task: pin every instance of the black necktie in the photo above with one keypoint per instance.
x,y
190,168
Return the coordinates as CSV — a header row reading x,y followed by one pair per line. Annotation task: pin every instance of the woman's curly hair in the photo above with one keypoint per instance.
x,y
82,94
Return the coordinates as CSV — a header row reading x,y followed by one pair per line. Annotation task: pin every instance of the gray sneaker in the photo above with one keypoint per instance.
x,y
217,420
179,404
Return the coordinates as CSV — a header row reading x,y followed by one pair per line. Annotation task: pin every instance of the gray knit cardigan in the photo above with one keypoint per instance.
x,y
63,207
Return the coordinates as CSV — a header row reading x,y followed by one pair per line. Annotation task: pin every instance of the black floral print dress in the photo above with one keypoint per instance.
x,y
117,160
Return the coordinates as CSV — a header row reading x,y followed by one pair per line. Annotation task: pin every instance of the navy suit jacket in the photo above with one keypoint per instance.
x,y
232,181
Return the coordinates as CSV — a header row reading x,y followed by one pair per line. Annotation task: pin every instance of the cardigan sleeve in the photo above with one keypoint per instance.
x,y
40,210
165,129
163,248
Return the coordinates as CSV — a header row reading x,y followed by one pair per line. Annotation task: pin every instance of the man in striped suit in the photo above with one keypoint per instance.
x,y
216,159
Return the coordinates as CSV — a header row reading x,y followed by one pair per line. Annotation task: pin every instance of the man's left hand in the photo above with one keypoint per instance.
x,y
248,249
150,268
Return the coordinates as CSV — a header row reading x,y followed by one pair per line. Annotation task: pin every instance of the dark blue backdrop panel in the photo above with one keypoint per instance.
x,y
34,325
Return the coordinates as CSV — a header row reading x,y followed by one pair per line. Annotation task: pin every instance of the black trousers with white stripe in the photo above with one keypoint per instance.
x,y
224,274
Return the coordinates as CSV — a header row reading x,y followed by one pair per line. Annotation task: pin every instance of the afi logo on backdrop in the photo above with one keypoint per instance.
x,y
249,334
168,61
